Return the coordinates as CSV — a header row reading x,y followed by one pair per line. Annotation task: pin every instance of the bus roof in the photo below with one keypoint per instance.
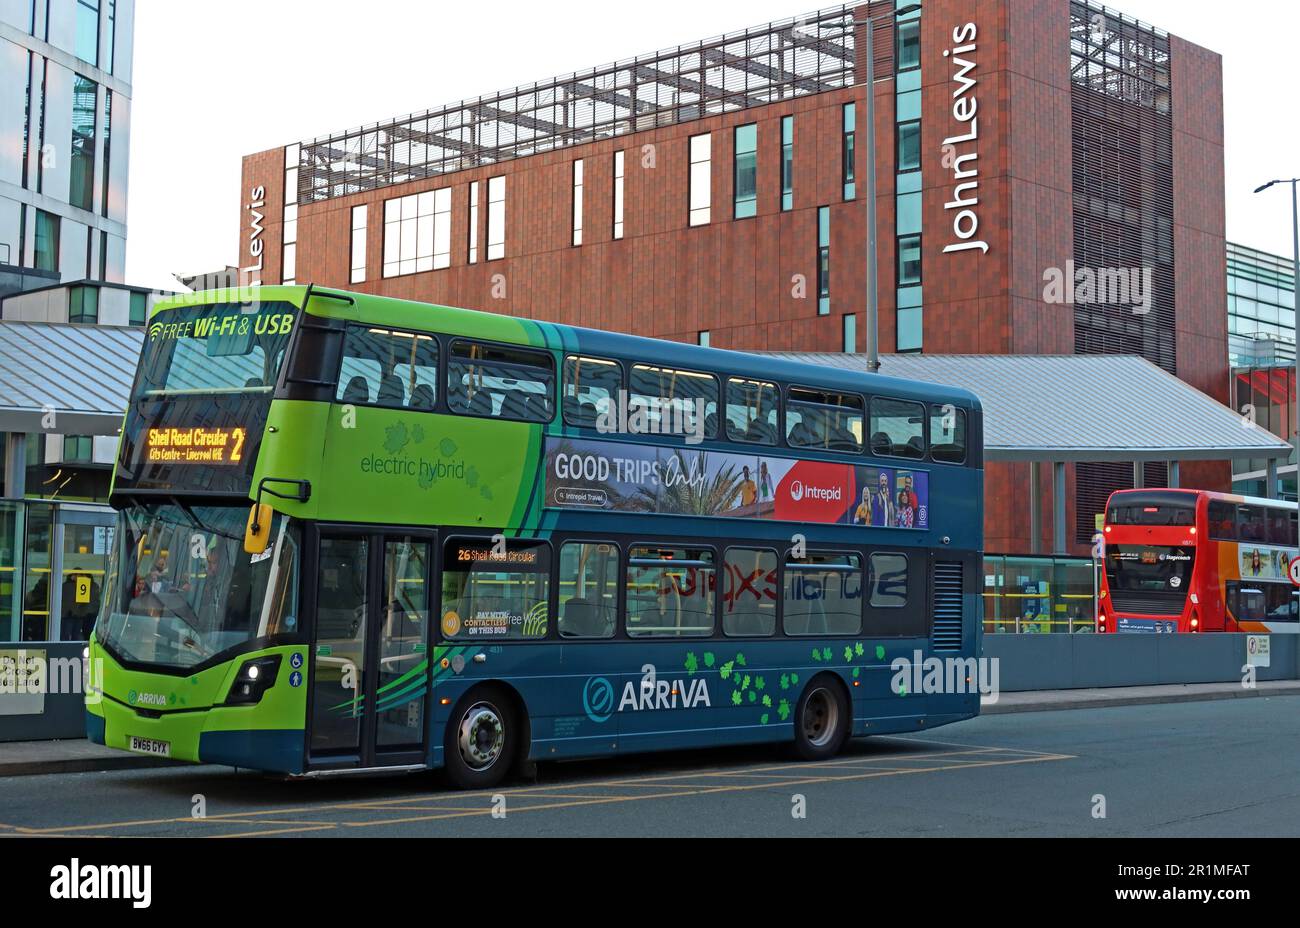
x,y
382,310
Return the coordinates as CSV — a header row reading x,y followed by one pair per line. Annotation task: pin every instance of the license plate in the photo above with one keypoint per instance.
x,y
151,746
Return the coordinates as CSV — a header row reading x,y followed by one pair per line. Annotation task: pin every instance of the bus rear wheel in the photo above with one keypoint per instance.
x,y
821,720
482,739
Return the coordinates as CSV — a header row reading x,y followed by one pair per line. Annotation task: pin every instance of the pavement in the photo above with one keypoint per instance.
x,y
27,758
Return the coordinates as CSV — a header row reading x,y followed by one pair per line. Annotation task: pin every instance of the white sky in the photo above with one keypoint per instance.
x,y
216,81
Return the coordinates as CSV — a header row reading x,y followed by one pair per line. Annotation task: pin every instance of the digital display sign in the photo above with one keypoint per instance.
x,y
196,445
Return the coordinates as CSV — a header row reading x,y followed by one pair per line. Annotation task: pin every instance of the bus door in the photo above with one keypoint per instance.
x,y
370,655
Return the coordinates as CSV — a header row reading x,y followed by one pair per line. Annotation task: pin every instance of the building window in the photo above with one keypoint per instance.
x,y
472,254
909,260
909,45
850,333
618,194
83,305
139,309
81,192
746,171
823,261
291,154
909,329
909,146
46,256
849,150
111,42
577,202
289,269
108,124
787,163
78,449
358,263
704,338
87,40
417,233
496,234
700,179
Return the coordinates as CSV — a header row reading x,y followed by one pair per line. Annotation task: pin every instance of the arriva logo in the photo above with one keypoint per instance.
x,y
598,699
146,699
652,693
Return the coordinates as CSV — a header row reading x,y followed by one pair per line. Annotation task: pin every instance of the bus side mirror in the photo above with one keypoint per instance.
x,y
257,533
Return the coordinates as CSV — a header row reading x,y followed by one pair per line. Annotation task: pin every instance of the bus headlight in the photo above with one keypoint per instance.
x,y
255,677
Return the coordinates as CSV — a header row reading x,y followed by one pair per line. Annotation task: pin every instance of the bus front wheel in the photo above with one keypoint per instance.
x,y
821,720
482,735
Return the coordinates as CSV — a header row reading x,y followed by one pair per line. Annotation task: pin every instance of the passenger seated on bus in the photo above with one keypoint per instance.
x,y
422,397
514,404
357,390
806,433
761,431
841,439
581,618
588,414
391,391
480,404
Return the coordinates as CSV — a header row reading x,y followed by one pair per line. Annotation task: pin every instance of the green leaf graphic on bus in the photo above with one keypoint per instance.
x,y
395,437
691,663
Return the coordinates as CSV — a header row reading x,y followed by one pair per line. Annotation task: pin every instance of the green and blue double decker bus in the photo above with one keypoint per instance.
x,y
361,533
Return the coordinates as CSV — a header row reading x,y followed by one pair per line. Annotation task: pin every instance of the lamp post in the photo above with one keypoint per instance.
x,y
1295,332
873,298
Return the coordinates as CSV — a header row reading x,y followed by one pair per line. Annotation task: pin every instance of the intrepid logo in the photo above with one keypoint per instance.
x,y
103,881
799,489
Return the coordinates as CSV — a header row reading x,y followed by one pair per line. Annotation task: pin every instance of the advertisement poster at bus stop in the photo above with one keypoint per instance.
x,y
627,477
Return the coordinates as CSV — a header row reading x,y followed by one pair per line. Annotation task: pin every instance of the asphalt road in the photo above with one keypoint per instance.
x,y
1226,768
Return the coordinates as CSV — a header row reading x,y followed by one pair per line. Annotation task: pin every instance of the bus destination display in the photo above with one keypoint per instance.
x,y
196,445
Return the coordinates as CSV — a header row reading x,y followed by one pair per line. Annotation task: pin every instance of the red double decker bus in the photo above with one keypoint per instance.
x,y
1195,561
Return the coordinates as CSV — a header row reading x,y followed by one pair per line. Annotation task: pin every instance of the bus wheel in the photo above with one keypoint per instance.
x,y
481,738
821,720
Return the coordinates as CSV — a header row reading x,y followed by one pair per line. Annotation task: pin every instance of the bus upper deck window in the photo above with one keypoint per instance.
x,y
591,386
500,381
947,434
897,428
752,411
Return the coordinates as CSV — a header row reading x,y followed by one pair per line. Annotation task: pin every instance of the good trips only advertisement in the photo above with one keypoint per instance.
x,y
624,477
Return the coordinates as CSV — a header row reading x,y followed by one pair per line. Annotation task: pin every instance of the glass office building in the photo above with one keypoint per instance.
x,y
1261,350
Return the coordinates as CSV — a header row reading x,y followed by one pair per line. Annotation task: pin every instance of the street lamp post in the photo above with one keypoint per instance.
x,y
1295,332
873,297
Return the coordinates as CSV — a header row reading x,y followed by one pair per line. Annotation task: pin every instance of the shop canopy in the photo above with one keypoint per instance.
x,y
79,374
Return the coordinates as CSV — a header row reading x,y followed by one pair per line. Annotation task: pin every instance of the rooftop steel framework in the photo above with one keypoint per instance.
x,y
794,57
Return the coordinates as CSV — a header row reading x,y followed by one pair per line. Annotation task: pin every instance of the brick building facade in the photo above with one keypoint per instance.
x,y
1013,137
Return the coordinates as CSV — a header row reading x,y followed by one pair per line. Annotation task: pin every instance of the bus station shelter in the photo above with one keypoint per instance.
x,y
55,379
